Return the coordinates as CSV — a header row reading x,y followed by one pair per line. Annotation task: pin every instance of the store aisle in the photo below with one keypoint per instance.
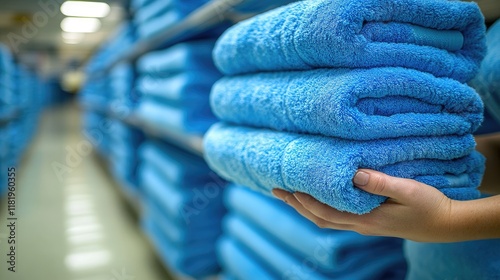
x,y
72,222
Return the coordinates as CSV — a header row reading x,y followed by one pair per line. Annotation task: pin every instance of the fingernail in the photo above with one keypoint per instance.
x,y
361,178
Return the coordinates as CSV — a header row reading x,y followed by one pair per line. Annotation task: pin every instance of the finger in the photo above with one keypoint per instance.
x,y
382,184
324,211
290,199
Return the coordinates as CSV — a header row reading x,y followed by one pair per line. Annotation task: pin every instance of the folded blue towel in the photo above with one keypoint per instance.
x,y
194,262
462,260
444,38
182,57
332,250
387,102
193,119
185,207
487,82
178,167
180,89
324,166
288,266
240,262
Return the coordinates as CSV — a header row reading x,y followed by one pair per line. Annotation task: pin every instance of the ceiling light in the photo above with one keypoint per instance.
x,y
85,9
81,25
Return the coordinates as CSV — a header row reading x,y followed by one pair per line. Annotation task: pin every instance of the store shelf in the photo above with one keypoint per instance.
x,y
189,142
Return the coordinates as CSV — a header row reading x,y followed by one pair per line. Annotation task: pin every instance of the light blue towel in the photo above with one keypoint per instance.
x,y
324,166
178,167
288,266
487,82
356,104
444,38
196,262
193,119
183,88
185,207
332,250
240,262
461,261
182,57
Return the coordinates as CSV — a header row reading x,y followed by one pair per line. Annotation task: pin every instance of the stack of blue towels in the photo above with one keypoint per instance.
x,y
123,97
174,85
6,106
318,89
183,208
264,239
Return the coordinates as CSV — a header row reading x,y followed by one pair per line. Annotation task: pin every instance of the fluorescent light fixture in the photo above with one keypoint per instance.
x,y
85,9
80,25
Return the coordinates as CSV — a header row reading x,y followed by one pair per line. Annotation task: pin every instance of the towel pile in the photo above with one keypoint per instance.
x,y
184,208
175,85
318,89
472,259
257,240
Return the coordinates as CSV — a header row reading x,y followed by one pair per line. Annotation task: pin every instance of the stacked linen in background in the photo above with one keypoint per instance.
x,y
6,108
183,208
174,85
124,97
380,87
264,237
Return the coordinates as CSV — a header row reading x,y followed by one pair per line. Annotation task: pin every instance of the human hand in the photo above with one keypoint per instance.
x,y
413,210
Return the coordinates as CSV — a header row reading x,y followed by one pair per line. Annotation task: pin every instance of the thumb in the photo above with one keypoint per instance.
x,y
382,184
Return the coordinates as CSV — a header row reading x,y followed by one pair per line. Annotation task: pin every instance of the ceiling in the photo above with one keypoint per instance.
x,y
41,45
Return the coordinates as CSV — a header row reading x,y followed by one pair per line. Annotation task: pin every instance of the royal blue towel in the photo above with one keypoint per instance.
x,y
183,206
487,82
356,104
332,250
177,166
193,119
183,88
324,166
444,38
286,265
462,260
240,262
197,262
182,57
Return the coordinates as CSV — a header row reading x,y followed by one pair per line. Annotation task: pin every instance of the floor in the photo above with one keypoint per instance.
x,y
72,221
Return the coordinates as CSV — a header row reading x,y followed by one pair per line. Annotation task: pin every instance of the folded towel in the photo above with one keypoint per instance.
x,y
462,260
287,265
183,88
182,57
240,262
332,250
185,207
487,82
192,235
193,119
387,102
324,166
444,38
177,166
195,262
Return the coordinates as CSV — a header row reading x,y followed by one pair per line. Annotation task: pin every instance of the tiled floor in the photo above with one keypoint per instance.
x,y
72,222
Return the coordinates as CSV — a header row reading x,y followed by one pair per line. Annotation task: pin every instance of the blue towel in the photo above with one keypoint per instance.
x,y
193,119
444,38
288,266
240,262
194,262
257,6
487,82
324,166
182,57
387,102
332,250
462,260
177,166
185,207
180,89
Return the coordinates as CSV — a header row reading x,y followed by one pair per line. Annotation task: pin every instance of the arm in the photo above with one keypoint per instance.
x,y
413,211
489,146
